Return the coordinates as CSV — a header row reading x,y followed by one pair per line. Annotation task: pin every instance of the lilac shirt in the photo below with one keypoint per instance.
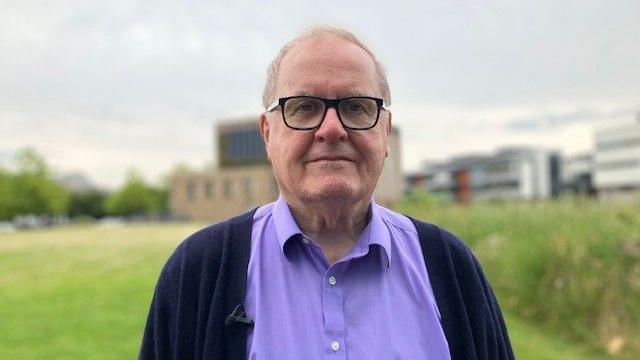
x,y
375,303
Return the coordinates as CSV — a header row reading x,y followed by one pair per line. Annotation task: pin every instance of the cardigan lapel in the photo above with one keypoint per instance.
x,y
440,267
238,243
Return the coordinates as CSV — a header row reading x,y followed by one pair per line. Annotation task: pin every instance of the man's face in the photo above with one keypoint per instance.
x,y
329,162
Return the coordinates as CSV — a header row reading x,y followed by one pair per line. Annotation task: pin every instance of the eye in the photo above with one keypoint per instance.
x,y
358,106
354,106
306,107
302,108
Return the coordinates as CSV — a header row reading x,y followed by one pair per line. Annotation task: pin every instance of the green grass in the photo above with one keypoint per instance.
x,y
84,292
80,293
530,342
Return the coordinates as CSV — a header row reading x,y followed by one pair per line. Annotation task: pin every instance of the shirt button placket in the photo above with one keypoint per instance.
x,y
333,315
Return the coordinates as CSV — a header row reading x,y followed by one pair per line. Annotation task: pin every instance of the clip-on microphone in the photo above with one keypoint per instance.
x,y
238,316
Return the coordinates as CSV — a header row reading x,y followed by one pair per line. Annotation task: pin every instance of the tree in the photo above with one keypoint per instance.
x,y
136,197
6,195
33,189
89,203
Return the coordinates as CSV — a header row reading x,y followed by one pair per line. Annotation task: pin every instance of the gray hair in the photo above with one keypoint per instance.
x,y
273,70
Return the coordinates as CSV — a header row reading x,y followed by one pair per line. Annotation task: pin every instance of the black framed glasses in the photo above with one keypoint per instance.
x,y
308,112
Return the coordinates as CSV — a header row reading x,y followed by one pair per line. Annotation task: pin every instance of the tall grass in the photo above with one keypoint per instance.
x,y
572,266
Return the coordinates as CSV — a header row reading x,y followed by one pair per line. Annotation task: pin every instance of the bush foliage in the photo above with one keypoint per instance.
x,y
136,197
31,188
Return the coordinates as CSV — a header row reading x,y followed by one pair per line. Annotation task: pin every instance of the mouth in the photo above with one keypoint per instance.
x,y
330,158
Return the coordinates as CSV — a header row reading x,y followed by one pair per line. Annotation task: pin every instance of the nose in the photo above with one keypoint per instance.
x,y
331,129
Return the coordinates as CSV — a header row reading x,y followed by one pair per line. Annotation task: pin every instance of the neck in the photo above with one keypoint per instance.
x,y
334,225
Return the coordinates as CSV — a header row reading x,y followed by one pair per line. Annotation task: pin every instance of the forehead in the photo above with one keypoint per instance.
x,y
327,66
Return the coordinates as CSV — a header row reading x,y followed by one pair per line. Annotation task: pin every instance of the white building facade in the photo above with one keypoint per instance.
x,y
510,174
617,160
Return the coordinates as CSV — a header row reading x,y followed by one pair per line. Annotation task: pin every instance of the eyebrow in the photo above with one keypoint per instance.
x,y
343,95
355,93
303,93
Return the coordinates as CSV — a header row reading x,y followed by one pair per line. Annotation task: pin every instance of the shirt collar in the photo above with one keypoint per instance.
x,y
378,232
285,225
375,233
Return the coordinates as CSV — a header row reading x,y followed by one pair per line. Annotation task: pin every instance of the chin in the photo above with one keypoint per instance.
x,y
333,191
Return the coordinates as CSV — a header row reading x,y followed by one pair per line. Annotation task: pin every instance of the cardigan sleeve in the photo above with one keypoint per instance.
x,y
498,344
155,339
484,321
184,290
158,341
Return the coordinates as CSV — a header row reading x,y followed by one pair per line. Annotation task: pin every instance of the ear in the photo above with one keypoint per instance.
x,y
264,127
265,130
388,130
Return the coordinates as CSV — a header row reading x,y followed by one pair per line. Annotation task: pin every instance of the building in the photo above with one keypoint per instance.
x,y
242,178
510,174
617,160
77,182
577,174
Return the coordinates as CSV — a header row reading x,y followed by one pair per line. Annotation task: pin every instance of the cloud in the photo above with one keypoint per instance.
x,y
554,121
101,86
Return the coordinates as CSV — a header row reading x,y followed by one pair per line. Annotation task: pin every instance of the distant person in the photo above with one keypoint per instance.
x,y
324,272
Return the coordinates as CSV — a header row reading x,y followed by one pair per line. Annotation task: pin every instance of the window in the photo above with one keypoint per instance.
x,y
244,146
617,165
248,187
617,144
228,189
191,191
209,189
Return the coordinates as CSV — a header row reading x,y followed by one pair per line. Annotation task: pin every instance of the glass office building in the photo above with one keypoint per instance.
x,y
242,145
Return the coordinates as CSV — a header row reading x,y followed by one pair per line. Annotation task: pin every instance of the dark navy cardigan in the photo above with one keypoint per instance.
x,y
204,280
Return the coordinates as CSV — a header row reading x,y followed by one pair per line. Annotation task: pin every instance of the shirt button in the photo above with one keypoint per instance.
x,y
332,281
335,346
305,240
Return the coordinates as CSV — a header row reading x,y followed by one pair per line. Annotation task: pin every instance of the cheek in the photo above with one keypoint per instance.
x,y
286,152
374,166
372,150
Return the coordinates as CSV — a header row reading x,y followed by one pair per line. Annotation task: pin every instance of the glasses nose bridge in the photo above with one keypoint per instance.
x,y
331,104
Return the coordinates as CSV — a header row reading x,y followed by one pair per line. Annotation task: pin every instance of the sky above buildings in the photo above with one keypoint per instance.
x,y
103,86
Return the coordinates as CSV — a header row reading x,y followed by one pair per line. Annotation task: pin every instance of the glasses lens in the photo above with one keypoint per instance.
x,y
303,112
358,113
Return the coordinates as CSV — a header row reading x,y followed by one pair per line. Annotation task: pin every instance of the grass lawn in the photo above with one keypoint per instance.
x,y
84,292
532,343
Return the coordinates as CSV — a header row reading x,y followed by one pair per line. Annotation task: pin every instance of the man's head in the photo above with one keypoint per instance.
x,y
329,162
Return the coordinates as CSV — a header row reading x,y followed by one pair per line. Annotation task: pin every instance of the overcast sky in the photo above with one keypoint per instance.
x,y
104,86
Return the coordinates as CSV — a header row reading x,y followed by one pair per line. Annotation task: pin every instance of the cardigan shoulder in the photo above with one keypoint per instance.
x,y
206,245
436,240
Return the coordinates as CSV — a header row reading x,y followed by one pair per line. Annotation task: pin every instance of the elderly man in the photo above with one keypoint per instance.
x,y
324,272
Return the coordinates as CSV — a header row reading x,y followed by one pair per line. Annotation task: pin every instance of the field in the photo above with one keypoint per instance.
x,y
83,292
